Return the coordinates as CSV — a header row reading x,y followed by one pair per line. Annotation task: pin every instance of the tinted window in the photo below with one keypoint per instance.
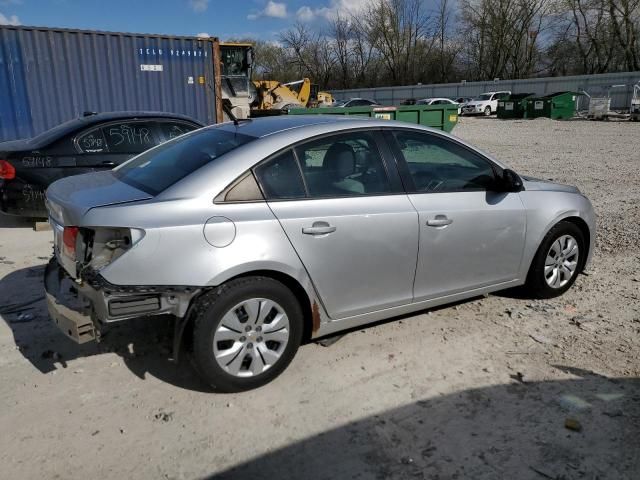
x,y
171,130
343,165
280,177
440,165
157,169
130,137
93,141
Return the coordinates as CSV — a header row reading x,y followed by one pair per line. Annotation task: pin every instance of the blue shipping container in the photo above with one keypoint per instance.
x,y
48,76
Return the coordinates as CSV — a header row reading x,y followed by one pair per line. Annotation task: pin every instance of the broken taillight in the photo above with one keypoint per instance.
x,y
69,237
7,171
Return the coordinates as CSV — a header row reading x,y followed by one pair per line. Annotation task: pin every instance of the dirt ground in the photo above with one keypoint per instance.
x,y
480,390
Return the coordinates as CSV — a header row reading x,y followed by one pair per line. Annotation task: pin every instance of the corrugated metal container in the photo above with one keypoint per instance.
x,y
442,117
48,76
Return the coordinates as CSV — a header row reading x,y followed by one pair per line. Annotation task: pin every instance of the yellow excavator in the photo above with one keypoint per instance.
x,y
242,97
276,96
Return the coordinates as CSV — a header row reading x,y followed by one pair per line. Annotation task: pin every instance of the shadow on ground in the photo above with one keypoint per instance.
x,y
12,221
514,431
144,344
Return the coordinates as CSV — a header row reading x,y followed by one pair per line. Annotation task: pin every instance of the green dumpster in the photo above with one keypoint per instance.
x,y
560,105
442,117
513,106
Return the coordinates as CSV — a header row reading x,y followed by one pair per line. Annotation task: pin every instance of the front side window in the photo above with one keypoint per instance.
x,y
437,164
347,164
158,169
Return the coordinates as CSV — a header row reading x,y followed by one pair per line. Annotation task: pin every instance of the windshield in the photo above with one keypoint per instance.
x,y
484,96
157,169
339,103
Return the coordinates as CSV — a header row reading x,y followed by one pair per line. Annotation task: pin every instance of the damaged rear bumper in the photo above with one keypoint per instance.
x,y
81,309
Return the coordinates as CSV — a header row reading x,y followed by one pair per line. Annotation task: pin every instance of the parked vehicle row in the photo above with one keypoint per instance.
x,y
258,235
91,143
484,104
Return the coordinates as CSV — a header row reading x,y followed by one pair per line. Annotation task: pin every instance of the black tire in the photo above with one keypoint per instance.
x,y
536,285
487,111
210,309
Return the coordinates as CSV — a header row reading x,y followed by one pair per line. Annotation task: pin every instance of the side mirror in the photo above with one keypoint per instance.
x,y
511,182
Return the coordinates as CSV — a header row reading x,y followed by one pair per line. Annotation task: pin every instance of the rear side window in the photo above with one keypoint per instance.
x,y
93,141
158,169
131,137
343,165
280,177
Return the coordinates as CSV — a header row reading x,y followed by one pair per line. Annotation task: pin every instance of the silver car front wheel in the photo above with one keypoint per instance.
x,y
559,259
562,261
251,337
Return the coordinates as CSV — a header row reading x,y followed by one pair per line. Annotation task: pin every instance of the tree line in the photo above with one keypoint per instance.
x,y
404,42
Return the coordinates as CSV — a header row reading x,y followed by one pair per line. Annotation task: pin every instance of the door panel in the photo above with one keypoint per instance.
x,y
476,239
360,252
471,235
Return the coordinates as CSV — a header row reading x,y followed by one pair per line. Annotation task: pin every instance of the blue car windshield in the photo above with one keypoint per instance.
x,y
157,169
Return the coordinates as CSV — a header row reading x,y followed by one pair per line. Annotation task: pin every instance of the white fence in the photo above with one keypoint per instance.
x,y
594,85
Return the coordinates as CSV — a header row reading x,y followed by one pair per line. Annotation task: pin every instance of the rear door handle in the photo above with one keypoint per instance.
x,y
108,164
439,221
319,228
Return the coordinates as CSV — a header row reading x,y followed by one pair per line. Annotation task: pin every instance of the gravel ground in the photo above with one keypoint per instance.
x,y
493,388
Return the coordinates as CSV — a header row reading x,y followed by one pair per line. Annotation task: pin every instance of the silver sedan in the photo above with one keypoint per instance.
x,y
260,235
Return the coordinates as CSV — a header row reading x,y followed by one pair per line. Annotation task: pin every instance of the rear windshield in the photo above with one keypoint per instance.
x,y
155,170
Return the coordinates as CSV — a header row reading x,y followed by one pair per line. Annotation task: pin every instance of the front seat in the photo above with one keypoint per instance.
x,y
339,164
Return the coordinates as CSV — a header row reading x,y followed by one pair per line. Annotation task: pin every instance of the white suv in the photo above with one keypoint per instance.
x,y
486,103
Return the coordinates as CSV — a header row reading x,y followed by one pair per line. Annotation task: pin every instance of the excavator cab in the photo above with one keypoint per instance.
x,y
236,62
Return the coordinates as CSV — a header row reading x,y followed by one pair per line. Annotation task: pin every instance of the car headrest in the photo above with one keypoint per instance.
x,y
340,160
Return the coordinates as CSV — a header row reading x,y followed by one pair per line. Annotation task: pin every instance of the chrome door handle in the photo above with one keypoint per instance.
x,y
439,221
319,228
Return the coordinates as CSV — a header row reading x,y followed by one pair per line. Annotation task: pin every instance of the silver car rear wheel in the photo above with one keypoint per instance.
x,y
561,263
251,337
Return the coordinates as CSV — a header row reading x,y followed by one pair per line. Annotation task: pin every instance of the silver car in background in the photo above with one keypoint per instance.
x,y
260,235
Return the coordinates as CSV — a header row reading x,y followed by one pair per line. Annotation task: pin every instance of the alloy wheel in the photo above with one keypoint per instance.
x,y
251,337
561,262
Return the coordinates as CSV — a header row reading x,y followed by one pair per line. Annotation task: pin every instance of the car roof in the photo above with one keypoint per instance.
x,y
261,127
274,135
59,131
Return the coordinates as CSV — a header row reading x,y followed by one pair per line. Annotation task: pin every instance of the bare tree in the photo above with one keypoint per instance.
x,y
448,45
398,31
312,53
340,30
398,42
625,23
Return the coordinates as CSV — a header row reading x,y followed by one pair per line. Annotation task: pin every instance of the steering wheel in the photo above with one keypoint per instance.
x,y
427,182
